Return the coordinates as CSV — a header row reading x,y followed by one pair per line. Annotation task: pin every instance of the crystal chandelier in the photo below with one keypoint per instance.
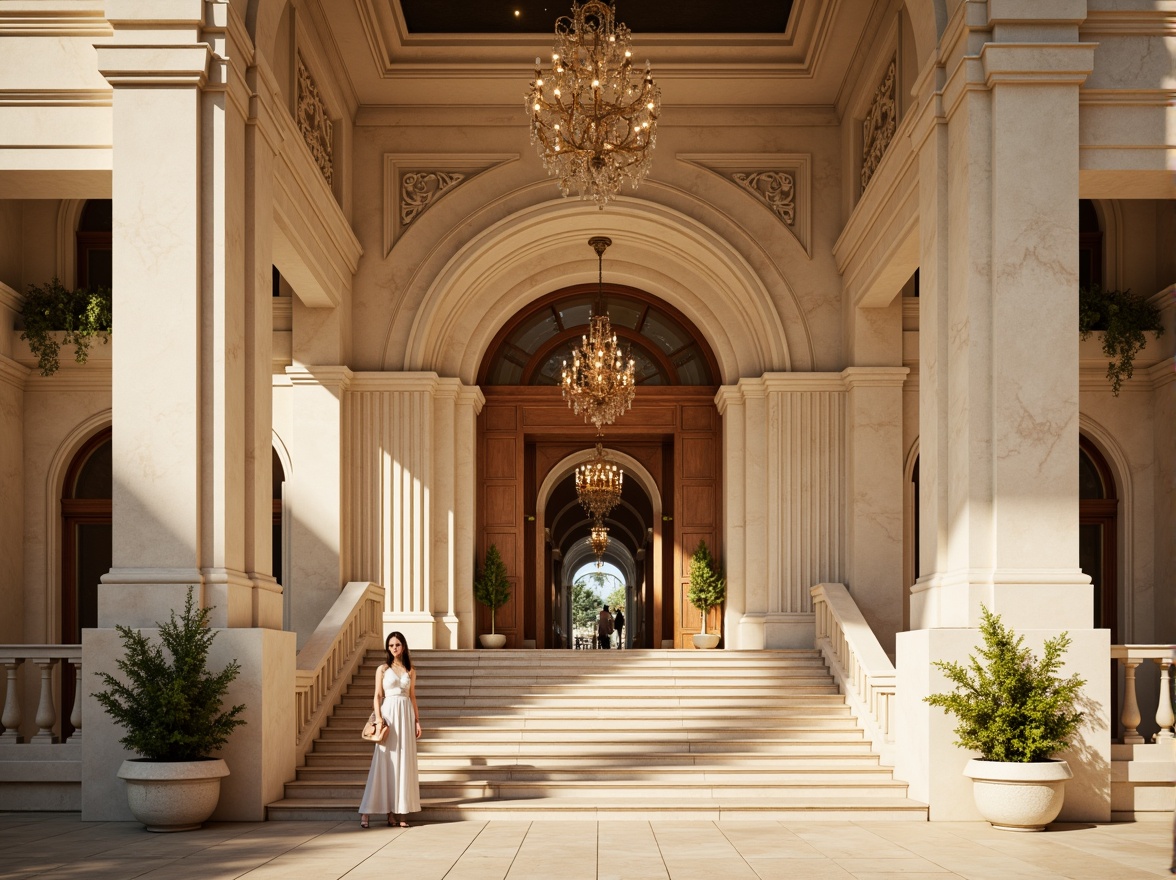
x,y
599,541
598,484
593,118
601,380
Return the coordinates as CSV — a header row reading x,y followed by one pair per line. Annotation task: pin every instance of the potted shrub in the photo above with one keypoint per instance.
x,y
78,315
492,589
1122,318
707,590
1017,712
170,707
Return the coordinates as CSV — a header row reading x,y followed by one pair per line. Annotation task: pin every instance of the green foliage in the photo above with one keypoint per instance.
x,y
1123,318
707,587
1012,707
585,605
616,599
81,315
171,708
491,587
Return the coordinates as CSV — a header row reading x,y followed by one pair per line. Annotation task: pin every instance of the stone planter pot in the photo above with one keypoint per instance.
x,y
1018,797
492,640
706,640
173,795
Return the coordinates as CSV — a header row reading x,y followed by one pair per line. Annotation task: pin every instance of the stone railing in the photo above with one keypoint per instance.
x,y
1129,657
862,670
47,658
330,657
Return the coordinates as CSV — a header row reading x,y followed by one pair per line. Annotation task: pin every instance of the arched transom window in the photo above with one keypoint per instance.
x,y
532,348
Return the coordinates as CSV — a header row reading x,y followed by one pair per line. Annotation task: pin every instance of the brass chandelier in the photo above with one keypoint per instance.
x,y
598,484
601,381
599,541
593,118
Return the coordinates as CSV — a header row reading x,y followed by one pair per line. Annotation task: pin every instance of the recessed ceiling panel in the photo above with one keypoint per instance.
x,y
641,16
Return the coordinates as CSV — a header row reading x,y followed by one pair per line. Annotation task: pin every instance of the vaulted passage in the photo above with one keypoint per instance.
x,y
529,444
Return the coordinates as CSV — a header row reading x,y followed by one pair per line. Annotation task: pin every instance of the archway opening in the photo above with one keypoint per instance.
x,y
529,443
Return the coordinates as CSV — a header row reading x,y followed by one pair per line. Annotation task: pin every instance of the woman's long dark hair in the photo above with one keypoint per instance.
x,y
404,658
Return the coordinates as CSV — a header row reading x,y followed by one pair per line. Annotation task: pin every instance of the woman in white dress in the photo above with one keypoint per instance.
x,y
392,784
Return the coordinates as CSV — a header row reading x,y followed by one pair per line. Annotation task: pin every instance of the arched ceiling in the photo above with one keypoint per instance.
x,y
568,523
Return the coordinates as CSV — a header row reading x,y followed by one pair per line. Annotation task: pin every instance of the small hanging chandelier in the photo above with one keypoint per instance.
x,y
601,380
598,484
593,118
599,541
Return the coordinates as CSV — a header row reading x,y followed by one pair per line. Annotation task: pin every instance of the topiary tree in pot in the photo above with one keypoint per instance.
x,y
170,705
492,589
1017,711
708,589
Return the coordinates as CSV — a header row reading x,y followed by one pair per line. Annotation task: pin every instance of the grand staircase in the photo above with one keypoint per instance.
x,y
614,734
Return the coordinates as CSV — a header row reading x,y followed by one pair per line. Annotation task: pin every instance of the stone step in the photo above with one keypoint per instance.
x,y
590,751
352,790
686,775
727,809
360,756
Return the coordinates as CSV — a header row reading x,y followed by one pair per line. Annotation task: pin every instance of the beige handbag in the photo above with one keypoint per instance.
x,y
375,730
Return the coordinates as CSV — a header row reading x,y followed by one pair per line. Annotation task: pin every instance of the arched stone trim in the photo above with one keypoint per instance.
x,y
928,19
910,536
69,214
1105,442
538,249
1110,219
54,485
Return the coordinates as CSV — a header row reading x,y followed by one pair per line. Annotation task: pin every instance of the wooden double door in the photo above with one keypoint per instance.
x,y
525,433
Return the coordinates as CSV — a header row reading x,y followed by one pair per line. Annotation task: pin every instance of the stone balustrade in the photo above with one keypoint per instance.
x,y
47,659
1130,657
331,655
862,670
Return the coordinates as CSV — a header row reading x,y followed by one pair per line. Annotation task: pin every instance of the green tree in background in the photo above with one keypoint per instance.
x,y
616,599
585,605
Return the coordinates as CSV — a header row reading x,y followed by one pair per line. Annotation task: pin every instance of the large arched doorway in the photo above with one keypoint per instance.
x,y
527,436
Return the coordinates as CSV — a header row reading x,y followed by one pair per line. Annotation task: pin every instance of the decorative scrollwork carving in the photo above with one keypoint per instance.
x,y
314,122
418,190
777,189
879,125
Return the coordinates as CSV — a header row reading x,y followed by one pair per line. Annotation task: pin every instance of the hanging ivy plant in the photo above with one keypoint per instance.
x,y
79,315
1123,318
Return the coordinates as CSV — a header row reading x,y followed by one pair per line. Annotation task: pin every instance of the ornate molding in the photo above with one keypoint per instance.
x,y
415,182
880,124
419,189
777,189
782,182
314,122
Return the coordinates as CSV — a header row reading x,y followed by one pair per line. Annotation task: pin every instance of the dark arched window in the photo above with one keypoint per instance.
x,y
94,245
531,348
1090,245
1097,533
85,535
279,476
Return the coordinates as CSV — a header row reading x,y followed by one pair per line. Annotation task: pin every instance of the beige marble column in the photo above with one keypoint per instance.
x,y
178,396
316,493
874,494
998,357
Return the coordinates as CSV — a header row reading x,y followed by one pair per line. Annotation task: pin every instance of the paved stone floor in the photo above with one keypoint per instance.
x,y
62,846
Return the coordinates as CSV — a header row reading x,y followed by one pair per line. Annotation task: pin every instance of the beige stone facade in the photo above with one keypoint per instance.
x,y
388,180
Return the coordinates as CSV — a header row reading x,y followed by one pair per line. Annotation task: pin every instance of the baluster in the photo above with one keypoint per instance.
x,y
1130,716
75,717
46,714
1165,717
11,717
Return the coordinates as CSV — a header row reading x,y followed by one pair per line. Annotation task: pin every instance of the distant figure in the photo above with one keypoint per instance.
x,y
604,628
619,626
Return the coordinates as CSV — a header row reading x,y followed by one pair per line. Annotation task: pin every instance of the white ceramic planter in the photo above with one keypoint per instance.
x,y
1018,797
705,640
173,795
492,640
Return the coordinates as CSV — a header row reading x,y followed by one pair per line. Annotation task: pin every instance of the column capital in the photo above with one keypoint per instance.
x,y
1037,63
874,377
327,376
155,65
